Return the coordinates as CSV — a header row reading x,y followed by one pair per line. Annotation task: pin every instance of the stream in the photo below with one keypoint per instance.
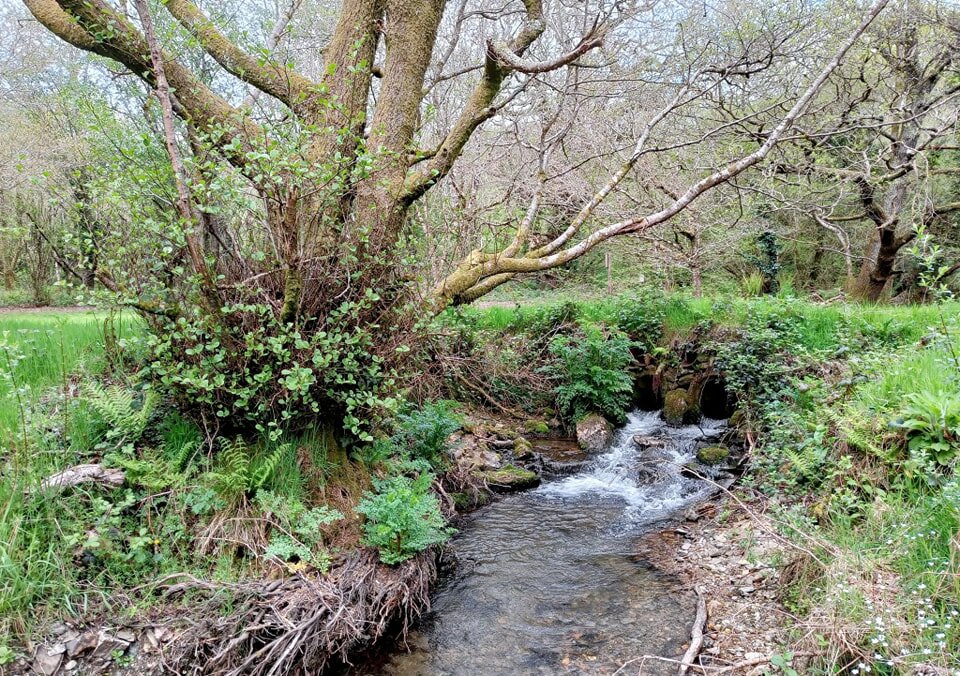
x,y
549,581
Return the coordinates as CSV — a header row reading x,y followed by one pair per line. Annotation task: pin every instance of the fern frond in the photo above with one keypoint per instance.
x,y
268,467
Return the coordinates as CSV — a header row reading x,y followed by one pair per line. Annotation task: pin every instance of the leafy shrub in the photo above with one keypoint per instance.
x,y
931,420
299,540
254,372
545,321
642,318
593,374
423,432
402,518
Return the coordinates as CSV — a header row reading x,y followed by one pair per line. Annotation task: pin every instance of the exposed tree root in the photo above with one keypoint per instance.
x,y
299,625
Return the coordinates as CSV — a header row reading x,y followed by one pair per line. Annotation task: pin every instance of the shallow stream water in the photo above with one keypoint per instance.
x,y
548,581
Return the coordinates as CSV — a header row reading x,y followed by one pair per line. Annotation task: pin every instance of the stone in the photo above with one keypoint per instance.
x,y
108,644
522,449
70,666
713,455
651,473
511,478
86,642
645,441
475,455
58,629
537,427
675,407
45,663
126,635
594,432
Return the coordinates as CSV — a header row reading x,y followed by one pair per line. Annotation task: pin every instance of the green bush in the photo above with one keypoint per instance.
x,y
299,539
642,319
593,374
931,420
423,432
402,518
254,372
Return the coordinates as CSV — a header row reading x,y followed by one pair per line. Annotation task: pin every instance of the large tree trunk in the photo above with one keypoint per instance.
x,y
877,267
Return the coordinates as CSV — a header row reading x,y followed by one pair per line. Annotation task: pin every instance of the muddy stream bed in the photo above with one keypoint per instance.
x,y
549,581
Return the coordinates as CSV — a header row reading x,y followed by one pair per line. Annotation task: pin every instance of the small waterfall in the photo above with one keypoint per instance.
x,y
618,472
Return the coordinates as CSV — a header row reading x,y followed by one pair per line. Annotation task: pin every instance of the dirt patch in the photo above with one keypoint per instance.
x,y
728,556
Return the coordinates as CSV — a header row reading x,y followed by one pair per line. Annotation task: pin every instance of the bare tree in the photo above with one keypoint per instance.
x,y
873,169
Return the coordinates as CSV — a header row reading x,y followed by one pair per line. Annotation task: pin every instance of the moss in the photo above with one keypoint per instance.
x,y
511,478
537,427
675,406
522,448
713,455
462,501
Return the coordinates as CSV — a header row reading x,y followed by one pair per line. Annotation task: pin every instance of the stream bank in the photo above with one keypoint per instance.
x,y
552,580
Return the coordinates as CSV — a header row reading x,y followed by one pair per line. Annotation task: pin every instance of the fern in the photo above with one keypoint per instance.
x,y
268,467
184,455
239,474
115,406
231,479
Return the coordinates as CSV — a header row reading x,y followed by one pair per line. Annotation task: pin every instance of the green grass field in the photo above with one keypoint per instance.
x,y
40,351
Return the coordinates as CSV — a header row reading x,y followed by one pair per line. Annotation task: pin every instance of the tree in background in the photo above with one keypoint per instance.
x,y
879,163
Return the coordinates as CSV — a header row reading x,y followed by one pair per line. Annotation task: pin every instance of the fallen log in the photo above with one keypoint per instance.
x,y
79,474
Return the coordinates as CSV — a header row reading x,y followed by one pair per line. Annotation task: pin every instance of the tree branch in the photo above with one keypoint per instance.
x,y
283,84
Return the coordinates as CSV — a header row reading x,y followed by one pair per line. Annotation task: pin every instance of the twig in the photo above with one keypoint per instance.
x,y
696,635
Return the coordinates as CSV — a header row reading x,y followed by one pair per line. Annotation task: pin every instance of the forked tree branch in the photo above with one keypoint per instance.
x,y
481,272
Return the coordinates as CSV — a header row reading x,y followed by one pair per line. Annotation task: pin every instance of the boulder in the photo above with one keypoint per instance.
x,y
646,441
676,407
536,427
713,455
594,432
510,478
473,454
522,450
651,473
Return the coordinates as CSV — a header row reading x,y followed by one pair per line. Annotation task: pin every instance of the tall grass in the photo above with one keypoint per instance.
x,y
43,351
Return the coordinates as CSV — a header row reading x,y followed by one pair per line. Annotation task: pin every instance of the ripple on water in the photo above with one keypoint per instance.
x,y
548,581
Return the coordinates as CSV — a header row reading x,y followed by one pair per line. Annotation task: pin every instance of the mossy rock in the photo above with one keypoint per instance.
x,y
522,449
536,427
511,478
675,407
713,455
594,432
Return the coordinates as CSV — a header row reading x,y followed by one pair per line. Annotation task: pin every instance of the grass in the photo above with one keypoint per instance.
x,y
39,351
821,326
870,523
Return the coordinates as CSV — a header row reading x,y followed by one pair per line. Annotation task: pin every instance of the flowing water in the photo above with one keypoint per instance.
x,y
548,581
